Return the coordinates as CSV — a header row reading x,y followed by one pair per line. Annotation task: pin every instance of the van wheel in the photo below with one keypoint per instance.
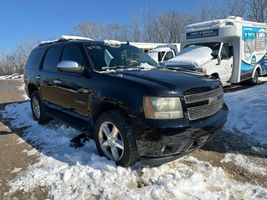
x,y
114,138
255,78
38,108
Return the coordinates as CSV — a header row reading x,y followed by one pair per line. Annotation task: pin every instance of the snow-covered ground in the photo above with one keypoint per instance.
x,y
82,174
248,113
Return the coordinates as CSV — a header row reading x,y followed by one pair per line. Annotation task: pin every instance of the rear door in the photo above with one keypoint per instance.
x,y
48,76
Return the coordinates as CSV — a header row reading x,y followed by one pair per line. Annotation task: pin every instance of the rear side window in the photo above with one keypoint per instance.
x,y
72,52
52,57
35,58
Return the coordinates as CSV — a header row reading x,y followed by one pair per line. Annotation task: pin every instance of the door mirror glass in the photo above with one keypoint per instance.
x,y
70,66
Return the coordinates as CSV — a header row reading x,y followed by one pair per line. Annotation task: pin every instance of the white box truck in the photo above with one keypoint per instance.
x,y
231,49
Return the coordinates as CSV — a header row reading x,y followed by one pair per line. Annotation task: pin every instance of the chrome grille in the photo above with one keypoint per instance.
x,y
193,98
208,103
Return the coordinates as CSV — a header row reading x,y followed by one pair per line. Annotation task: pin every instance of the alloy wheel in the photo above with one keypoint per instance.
x,y
111,141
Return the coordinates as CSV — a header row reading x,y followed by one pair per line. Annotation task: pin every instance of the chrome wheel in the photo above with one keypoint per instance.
x,y
111,141
36,107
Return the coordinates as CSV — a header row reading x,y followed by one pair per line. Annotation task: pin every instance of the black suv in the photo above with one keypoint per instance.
x,y
134,108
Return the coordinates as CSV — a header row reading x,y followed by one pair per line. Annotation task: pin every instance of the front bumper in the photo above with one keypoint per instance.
x,y
160,141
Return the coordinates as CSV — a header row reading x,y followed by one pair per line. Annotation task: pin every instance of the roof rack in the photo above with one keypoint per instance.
x,y
63,38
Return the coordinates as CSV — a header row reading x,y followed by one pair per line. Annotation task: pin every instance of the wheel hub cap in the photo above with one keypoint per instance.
x,y
111,141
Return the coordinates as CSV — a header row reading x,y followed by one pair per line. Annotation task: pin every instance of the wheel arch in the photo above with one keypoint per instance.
x,y
257,69
31,88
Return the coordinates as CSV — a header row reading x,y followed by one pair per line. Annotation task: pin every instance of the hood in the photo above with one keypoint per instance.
x,y
191,56
167,80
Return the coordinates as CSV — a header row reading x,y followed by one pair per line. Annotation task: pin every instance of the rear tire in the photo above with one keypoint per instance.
x,y
255,79
38,108
114,138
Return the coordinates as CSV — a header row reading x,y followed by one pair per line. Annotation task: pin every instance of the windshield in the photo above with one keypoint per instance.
x,y
123,56
215,47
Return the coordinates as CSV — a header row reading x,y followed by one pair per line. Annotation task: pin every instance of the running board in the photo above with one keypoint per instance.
x,y
77,123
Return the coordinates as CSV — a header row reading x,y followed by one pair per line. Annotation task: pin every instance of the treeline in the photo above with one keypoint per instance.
x,y
148,27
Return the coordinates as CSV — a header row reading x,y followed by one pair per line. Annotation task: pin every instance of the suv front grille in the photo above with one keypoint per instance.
x,y
201,105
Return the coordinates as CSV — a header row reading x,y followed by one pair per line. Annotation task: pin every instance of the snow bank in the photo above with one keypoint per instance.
x,y
248,113
13,76
82,174
194,55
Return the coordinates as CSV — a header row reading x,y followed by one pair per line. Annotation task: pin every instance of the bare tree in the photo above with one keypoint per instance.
x,y
100,31
165,27
135,30
235,8
257,10
15,61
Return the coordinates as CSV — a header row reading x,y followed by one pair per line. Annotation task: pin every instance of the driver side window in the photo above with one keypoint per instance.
x,y
73,53
225,53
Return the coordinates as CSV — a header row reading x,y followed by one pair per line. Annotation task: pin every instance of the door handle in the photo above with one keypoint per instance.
x,y
55,82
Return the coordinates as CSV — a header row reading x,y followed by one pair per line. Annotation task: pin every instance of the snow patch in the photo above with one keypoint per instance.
x,y
22,88
112,42
244,162
11,77
263,79
15,170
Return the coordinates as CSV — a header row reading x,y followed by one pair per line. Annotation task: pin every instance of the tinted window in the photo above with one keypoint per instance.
x,y
73,53
225,54
52,57
35,58
168,56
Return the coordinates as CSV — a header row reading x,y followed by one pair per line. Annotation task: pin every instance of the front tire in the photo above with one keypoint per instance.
x,y
38,108
114,138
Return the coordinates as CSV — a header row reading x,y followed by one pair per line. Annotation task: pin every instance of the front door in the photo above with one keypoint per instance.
x,y
226,64
74,89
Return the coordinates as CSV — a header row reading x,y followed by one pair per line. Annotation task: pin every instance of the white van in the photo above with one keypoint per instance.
x,y
231,49
164,52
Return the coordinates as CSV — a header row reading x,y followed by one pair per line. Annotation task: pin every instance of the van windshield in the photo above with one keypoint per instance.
x,y
215,47
122,56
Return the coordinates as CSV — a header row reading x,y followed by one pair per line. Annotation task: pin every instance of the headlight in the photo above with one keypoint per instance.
x,y
202,70
163,108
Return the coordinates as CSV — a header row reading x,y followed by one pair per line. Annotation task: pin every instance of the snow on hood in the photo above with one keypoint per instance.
x,y
194,55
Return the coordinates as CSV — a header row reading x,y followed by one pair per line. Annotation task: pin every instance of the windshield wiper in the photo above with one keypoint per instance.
x,y
177,68
113,67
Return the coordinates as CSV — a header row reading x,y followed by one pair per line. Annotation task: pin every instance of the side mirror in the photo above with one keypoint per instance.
x,y
70,66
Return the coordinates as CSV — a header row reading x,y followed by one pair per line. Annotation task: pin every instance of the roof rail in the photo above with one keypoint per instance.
x,y
63,38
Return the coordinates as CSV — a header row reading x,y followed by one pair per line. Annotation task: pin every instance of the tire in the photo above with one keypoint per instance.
x,y
121,139
255,79
38,108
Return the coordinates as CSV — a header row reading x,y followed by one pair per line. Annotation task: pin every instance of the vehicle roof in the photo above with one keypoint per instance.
x,y
77,39
159,49
218,22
